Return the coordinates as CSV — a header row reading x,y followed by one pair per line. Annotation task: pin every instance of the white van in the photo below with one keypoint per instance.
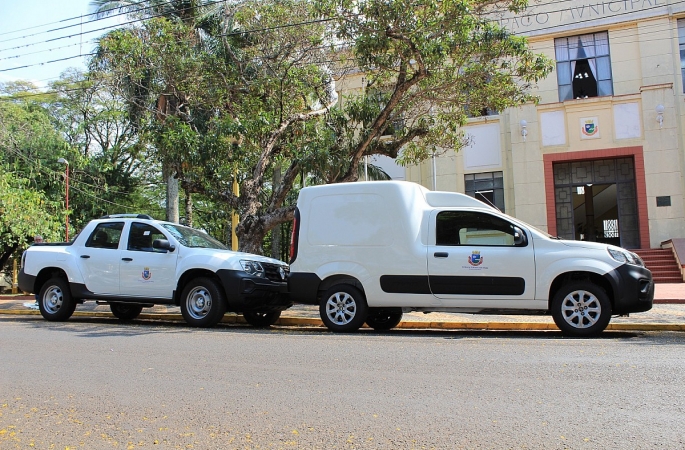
x,y
367,252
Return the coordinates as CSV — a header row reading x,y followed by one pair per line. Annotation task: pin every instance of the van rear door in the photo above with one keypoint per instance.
x,y
476,255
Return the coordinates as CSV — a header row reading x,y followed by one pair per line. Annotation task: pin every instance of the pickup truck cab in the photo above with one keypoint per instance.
x,y
133,261
367,252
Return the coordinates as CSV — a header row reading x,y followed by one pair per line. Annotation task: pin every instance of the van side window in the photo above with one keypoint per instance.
x,y
472,228
142,235
106,235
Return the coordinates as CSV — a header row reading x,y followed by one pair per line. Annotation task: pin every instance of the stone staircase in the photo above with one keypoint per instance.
x,y
662,263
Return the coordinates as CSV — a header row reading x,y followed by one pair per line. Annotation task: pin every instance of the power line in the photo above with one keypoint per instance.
x,y
99,29
65,20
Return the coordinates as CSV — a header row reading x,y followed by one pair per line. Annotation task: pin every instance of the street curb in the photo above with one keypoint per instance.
x,y
310,322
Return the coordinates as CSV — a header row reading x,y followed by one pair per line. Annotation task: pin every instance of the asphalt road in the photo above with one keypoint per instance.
x,y
99,384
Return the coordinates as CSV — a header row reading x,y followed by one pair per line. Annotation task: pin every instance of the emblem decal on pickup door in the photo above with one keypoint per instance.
x,y
147,274
475,259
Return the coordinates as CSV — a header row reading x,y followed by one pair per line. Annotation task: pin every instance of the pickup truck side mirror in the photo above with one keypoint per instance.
x,y
519,238
163,244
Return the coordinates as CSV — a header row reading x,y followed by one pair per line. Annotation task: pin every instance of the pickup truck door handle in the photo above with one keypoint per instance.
x,y
85,256
127,259
441,254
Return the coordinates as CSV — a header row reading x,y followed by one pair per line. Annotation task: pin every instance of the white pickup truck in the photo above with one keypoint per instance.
x,y
133,261
367,252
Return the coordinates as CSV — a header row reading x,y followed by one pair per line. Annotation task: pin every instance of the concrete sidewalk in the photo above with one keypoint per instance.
x,y
668,314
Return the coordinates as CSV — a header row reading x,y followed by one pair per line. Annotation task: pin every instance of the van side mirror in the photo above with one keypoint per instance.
x,y
163,244
519,238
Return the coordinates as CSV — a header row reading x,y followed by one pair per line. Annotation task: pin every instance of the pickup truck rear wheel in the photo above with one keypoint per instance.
x,y
343,308
55,301
384,319
202,303
125,311
262,319
581,309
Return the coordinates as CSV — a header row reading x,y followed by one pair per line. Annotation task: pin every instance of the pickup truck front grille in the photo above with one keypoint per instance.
x,y
273,273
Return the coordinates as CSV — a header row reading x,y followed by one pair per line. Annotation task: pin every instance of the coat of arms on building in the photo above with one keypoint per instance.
x,y
589,128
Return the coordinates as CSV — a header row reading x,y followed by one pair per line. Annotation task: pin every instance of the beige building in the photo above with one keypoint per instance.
x,y
601,156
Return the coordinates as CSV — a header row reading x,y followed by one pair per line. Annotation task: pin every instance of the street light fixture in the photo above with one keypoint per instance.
x,y
66,163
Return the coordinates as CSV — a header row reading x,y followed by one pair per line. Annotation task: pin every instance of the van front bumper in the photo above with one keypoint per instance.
x,y
248,293
633,288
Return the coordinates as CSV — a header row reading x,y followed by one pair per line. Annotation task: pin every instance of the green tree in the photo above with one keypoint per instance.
x,y
262,105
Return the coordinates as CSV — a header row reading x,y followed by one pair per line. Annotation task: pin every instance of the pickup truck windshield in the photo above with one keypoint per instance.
x,y
189,237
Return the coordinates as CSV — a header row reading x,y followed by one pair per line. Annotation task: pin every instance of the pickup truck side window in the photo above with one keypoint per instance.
x,y
473,228
141,237
106,235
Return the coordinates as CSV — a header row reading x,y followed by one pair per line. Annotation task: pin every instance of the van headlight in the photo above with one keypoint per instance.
x,y
252,267
627,257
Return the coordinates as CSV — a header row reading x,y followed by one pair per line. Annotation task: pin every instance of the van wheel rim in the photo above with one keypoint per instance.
x,y
341,308
53,299
199,303
581,309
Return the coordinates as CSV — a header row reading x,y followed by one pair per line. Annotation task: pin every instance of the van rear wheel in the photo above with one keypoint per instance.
x,y
384,319
343,308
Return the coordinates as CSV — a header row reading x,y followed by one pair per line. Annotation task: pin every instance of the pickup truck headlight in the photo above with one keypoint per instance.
x,y
623,256
252,267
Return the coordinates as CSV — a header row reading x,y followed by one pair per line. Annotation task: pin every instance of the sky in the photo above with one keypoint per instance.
x,y
36,32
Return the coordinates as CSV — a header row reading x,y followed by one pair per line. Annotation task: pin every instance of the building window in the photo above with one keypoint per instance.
x,y
681,42
488,187
583,66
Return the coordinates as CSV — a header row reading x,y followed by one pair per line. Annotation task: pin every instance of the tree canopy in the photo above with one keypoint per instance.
x,y
250,91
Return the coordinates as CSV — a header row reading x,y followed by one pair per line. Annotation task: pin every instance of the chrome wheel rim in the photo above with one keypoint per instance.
x,y
53,299
581,309
199,302
341,308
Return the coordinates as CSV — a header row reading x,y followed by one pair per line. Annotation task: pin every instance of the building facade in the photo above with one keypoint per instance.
x,y
600,157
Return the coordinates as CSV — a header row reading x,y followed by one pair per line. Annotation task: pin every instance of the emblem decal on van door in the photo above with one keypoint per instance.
x,y
147,274
475,259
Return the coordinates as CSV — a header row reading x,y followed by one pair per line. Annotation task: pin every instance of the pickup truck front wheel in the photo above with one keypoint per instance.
x,y
55,301
202,303
581,309
124,311
262,319
343,308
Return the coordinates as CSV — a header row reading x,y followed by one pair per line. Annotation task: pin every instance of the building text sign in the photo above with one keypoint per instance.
x,y
547,16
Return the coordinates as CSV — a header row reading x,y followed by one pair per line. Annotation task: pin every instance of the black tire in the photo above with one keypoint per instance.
x,y
55,301
125,311
581,309
343,308
262,319
202,303
384,319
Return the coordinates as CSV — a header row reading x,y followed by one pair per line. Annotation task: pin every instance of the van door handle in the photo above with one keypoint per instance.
x,y
441,254
85,256
127,259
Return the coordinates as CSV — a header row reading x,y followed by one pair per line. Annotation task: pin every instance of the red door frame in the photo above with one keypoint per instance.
x,y
612,153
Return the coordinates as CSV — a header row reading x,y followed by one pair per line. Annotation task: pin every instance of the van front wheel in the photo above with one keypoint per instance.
x,y
581,309
343,308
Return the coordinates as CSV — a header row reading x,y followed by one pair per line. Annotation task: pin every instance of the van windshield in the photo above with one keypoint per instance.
x,y
190,237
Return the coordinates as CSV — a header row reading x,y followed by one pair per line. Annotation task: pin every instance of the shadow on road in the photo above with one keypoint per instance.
x,y
94,327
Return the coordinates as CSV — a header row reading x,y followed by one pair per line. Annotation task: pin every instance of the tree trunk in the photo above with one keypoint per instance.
x,y
189,208
276,231
7,252
172,213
